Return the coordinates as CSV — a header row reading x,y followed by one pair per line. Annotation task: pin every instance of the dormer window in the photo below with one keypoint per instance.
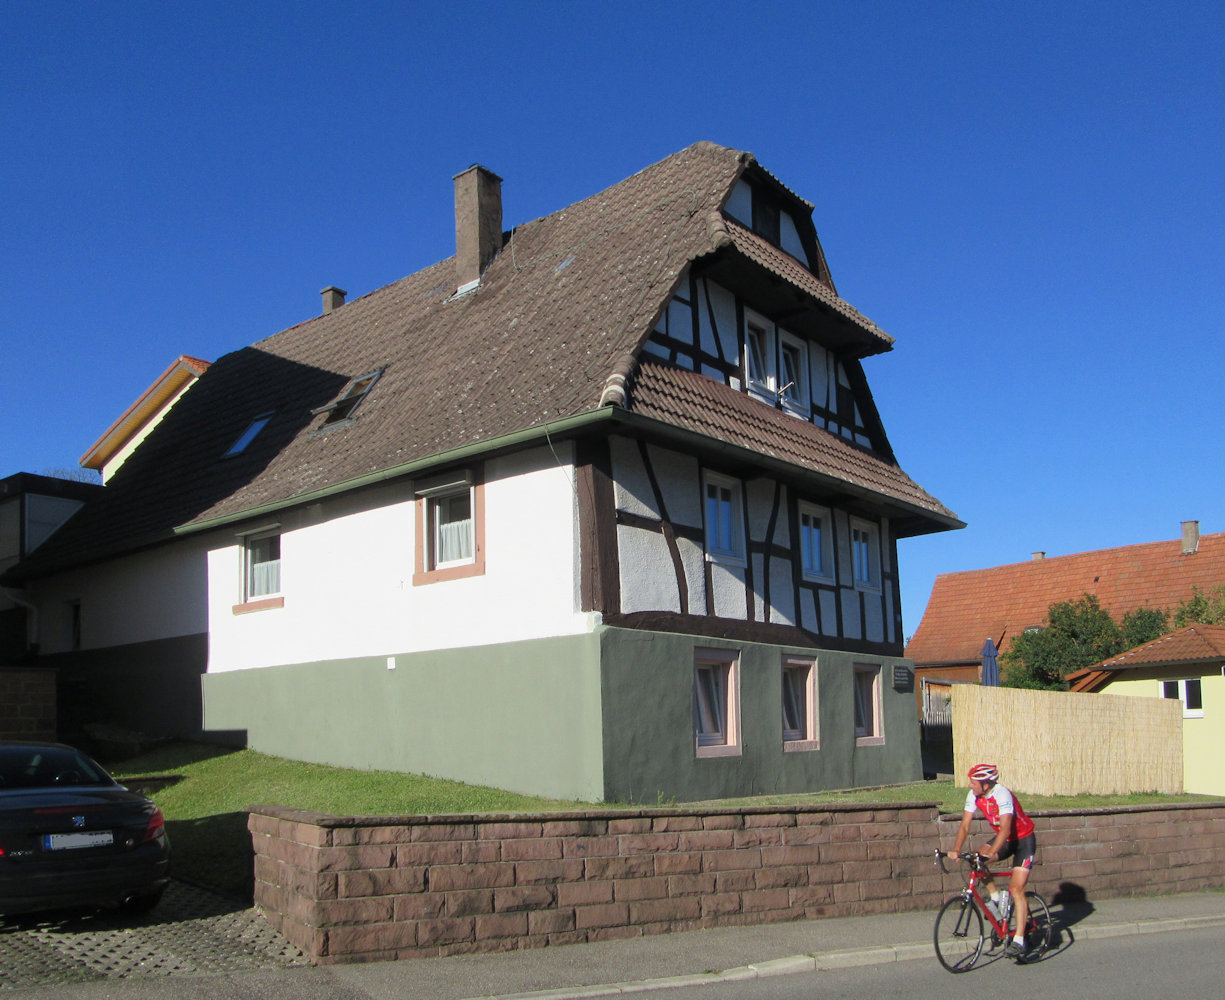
x,y
767,214
765,217
350,398
250,434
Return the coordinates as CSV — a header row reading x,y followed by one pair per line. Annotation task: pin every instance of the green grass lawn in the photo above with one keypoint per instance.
x,y
206,807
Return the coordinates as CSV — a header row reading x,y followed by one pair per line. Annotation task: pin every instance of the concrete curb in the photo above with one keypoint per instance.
x,y
845,959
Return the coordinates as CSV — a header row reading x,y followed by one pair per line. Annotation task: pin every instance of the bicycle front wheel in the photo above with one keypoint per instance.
x,y
1038,931
959,934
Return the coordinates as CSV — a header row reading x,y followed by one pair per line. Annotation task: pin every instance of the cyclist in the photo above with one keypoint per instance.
x,y
1014,838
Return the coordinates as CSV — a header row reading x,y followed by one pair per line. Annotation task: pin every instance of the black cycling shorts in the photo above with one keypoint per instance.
x,y
1021,851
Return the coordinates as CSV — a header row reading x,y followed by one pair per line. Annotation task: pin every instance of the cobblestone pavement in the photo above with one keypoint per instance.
x,y
191,932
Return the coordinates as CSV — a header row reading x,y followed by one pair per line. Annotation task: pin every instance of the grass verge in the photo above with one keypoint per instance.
x,y
207,821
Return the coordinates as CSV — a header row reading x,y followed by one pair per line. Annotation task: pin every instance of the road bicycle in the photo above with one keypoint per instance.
x,y
966,925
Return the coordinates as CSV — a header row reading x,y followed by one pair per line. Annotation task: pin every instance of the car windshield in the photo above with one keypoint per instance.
x,y
44,767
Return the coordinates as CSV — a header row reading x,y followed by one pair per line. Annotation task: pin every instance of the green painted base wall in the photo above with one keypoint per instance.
x,y
649,753
606,716
521,716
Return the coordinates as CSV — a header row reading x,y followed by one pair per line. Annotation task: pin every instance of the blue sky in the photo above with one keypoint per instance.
x,y
1028,197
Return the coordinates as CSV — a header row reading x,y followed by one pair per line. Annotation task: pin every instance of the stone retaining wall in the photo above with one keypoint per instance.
x,y
347,889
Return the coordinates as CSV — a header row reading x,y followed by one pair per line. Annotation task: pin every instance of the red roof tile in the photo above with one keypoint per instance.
x,y
1001,602
1190,646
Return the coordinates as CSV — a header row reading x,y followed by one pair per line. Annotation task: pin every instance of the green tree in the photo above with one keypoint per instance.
x,y
1201,608
1143,625
1076,634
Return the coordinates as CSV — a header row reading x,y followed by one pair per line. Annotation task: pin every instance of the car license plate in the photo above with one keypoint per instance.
x,y
72,841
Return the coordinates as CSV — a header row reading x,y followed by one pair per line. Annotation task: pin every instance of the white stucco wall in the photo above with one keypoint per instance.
x,y
347,576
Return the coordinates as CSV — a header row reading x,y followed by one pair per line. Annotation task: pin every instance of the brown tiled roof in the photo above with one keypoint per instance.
x,y
782,264
692,402
1001,602
559,309
1194,645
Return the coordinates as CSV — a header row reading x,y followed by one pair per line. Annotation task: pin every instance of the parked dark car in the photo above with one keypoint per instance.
x,y
71,836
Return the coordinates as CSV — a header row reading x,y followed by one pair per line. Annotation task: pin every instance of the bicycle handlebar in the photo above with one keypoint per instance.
x,y
973,858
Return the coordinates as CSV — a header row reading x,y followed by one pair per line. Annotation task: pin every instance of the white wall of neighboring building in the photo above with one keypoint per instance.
x,y
347,576
157,594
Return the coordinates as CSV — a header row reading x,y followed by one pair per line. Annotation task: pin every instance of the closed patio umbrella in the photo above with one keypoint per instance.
x,y
991,666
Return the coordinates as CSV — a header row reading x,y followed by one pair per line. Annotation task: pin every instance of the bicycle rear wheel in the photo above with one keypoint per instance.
x,y
1038,931
959,934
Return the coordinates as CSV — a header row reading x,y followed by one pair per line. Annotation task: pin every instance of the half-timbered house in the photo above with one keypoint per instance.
x,y
600,507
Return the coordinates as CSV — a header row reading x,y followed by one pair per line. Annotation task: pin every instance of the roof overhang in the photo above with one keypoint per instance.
x,y
907,520
813,312
182,372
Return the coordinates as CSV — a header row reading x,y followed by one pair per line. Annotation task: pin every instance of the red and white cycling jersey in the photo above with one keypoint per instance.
x,y
1001,802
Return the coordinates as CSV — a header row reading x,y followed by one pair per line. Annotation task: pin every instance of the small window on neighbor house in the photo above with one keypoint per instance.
x,y
74,624
262,573
716,710
249,435
350,398
1189,692
799,704
865,554
868,731
724,519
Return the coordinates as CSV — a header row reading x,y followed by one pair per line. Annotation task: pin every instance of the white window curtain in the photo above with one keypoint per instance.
x,y
454,535
264,566
455,541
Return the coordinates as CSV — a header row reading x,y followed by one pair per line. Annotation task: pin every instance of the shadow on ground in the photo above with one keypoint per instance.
x,y
214,852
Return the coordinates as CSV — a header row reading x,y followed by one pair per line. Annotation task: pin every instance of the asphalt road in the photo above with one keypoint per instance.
x,y
1185,964
198,946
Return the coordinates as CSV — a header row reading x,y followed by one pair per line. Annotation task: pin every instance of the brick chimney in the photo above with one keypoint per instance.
x,y
478,224
1190,537
333,298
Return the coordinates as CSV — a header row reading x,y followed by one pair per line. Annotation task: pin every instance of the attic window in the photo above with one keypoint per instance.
x,y
766,217
249,435
350,398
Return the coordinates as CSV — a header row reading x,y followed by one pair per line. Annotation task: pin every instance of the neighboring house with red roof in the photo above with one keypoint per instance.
x,y
1187,665
600,507
1002,602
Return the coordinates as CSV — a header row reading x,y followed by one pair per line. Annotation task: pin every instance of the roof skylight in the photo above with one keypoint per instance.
x,y
350,397
249,435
